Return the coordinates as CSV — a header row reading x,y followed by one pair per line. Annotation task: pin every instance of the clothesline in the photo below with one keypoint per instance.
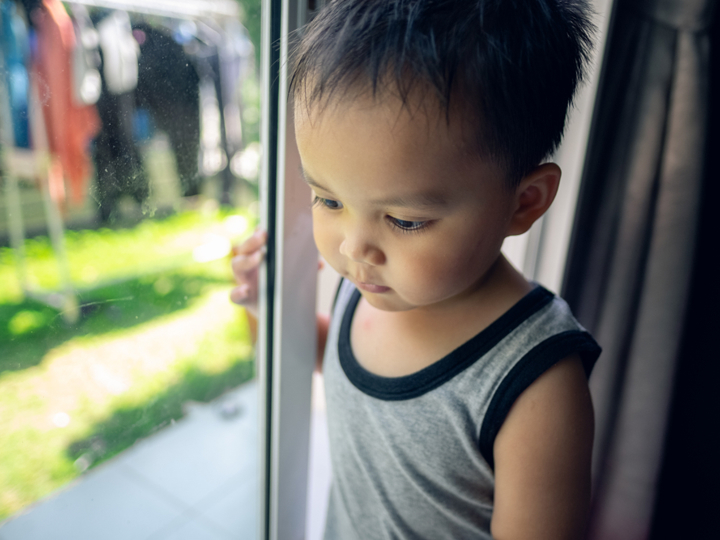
x,y
65,299
170,8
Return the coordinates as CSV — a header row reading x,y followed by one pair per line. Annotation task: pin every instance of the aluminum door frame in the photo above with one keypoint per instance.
x,y
287,333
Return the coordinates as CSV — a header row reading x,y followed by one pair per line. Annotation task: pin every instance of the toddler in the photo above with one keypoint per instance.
x,y
457,396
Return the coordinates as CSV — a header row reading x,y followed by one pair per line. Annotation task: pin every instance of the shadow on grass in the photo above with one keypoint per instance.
x,y
29,329
129,424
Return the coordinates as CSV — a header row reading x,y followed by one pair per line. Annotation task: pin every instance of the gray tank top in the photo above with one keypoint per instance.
x,y
412,456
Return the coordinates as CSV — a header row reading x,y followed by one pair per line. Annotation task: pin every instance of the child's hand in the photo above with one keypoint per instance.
x,y
245,262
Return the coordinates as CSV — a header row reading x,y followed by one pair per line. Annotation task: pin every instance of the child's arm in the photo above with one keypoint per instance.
x,y
542,459
246,259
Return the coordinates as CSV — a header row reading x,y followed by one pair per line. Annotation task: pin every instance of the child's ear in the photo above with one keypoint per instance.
x,y
534,196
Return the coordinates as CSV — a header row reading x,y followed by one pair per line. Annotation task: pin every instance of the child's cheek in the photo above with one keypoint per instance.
x,y
327,238
449,268
427,278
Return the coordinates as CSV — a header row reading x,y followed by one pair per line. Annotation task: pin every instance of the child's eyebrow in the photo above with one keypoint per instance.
x,y
414,200
309,180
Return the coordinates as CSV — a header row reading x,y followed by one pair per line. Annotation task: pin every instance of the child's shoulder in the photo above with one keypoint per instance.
x,y
542,455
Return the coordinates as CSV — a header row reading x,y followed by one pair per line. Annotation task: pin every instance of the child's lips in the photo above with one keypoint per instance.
x,y
371,287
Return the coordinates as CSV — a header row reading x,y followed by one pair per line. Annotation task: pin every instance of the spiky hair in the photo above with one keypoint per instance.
x,y
514,65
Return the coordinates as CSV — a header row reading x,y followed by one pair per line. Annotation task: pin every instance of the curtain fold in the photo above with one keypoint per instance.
x,y
630,261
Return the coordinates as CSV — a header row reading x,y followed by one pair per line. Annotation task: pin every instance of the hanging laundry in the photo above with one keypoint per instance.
x,y
236,57
236,54
213,157
70,126
168,88
16,52
118,162
87,83
200,42
119,168
120,53
221,56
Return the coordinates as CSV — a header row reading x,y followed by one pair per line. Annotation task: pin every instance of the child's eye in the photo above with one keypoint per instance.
x,y
407,226
327,203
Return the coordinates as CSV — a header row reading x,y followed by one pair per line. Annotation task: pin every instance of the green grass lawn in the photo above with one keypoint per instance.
x,y
157,330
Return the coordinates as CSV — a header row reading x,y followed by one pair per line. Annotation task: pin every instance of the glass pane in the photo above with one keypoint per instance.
x,y
130,157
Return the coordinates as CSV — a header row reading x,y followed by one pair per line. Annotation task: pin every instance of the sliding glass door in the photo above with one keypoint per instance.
x,y
128,395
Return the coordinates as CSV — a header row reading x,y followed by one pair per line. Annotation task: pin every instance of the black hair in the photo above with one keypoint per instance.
x,y
513,64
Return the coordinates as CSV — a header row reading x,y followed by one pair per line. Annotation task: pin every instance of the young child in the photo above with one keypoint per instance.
x,y
457,395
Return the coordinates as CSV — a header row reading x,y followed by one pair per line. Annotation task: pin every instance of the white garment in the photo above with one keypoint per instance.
x,y
120,53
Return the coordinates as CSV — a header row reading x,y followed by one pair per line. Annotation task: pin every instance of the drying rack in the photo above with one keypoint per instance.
x,y
22,163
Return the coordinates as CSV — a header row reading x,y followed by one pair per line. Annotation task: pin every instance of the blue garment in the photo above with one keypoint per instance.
x,y
15,48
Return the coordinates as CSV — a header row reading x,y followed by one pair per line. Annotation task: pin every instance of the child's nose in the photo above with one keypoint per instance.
x,y
359,248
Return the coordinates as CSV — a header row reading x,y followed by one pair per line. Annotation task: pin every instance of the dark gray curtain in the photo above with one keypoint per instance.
x,y
631,259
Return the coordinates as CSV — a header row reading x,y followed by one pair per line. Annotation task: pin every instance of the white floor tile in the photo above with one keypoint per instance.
x,y
192,529
236,509
197,456
109,504
154,487
196,480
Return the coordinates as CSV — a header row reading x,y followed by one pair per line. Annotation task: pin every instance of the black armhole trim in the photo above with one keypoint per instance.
x,y
538,360
425,380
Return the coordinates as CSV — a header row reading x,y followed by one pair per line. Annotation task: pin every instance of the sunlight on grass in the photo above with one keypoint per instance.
x,y
99,255
27,320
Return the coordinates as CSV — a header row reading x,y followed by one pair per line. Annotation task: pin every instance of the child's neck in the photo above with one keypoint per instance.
x,y
419,337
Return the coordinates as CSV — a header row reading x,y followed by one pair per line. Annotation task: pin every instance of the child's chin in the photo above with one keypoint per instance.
x,y
386,302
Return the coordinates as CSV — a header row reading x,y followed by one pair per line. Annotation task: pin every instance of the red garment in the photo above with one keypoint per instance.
x,y
70,126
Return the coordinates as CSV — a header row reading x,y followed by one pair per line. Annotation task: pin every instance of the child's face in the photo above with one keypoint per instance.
x,y
402,208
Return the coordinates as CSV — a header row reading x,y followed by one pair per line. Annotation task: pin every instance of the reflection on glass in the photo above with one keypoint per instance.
x,y
129,168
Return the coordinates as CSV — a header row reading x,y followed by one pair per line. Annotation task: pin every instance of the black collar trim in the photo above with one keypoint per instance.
x,y
436,374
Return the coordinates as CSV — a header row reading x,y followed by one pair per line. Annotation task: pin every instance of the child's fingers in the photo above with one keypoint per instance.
x,y
241,295
253,243
244,264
